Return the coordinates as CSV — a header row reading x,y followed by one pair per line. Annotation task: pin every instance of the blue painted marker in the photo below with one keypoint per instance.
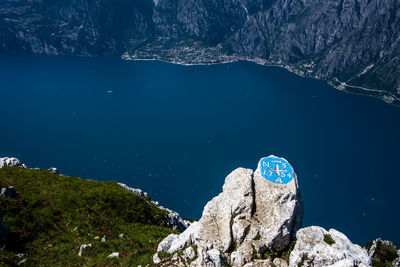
x,y
276,170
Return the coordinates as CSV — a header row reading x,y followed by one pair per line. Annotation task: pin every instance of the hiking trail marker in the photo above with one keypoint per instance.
x,y
276,170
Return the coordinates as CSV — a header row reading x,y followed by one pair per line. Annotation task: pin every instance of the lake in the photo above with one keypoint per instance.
x,y
177,131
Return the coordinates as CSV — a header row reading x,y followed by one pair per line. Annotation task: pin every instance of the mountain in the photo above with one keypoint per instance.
x,y
48,219
351,44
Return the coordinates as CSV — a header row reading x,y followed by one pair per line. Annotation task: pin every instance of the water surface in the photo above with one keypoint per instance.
x,y
177,131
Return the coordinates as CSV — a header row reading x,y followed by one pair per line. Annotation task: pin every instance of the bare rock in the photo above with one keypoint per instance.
x,y
255,212
9,192
173,242
11,162
317,247
53,170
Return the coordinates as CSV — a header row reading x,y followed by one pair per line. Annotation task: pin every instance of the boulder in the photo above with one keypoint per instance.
x,y
9,192
189,253
113,255
317,247
173,242
82,247
156,259
53,170
255,211
11,162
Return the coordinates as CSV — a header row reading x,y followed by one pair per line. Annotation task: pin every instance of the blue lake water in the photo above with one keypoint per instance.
x,y
177,131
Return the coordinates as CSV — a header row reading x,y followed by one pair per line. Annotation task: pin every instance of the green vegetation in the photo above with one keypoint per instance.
x,y
283,254
286,252
328,239
258,237
303,260
384,254
56,214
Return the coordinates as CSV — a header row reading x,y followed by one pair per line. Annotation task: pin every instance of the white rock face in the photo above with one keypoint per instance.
x,y
138,192
259,263
156,259
173,242
251,214
53,170
113,255
220,215
279,210
11,162
189,253
83,246
312,250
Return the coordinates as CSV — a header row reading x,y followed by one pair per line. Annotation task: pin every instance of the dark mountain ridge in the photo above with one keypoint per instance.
x,y
351,44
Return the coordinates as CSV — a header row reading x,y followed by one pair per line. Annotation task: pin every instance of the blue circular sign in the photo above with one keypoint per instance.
x,y
276,170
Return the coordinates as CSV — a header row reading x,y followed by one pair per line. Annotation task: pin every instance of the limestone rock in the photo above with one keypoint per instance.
x,y
175,221
189,253
138,192
209,258
259,263
278,262
11,162
156,259
113,255
83,246
9,192
232,209
279,210
317,247
53,170
173,242
251,215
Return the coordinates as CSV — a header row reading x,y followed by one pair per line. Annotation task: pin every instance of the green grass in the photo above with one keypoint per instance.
x,y
329,240
56,214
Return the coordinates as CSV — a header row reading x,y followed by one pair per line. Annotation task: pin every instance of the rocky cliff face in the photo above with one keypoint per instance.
x,y
352,44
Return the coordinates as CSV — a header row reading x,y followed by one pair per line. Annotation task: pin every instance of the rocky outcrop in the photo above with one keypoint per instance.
x,y
255,222
317,247
351,44
9,192
383,253
250,216
11,162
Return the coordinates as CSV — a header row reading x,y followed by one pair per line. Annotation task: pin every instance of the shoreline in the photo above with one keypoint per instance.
x,y
387,97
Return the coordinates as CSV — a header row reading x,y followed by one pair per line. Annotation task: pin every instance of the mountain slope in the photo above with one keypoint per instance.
x,y
352,44
54,215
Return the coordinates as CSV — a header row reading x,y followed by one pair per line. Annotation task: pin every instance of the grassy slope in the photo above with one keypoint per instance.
x,y
56,214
